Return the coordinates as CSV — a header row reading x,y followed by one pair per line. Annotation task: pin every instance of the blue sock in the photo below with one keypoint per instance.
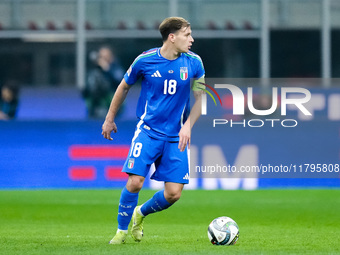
x,y
127,204
155,204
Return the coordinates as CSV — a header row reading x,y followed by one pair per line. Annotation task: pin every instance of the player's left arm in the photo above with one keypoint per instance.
x,y
195,113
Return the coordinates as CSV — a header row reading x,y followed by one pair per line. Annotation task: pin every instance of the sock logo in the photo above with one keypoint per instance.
x,y
123,214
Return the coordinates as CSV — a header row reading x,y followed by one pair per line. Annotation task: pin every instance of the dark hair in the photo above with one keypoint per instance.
x,y
172,25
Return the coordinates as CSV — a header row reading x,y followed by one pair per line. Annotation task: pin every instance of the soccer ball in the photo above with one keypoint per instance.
x,y
223,231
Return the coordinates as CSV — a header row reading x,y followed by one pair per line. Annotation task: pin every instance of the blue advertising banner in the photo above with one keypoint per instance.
x,y
61,154
73,154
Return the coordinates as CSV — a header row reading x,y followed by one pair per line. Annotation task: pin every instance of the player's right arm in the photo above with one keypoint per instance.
x,y
131,76
117,100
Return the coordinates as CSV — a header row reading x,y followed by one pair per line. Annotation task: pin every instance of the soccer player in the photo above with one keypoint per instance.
x,y
164,128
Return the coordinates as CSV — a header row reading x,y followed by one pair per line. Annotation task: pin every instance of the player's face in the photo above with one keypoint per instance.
x,y
183,39
105,54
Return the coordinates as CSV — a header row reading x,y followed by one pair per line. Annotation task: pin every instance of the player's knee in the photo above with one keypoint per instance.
x,y
173,196
135,183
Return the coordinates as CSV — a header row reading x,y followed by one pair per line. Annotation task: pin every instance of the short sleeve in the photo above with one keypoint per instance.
x,y
134,72
199,67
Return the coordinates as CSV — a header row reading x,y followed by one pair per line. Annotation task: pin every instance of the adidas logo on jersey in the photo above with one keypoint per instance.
x,y
156,74
186,177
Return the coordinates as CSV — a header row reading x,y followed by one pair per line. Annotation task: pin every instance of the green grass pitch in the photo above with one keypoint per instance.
x,y
83,222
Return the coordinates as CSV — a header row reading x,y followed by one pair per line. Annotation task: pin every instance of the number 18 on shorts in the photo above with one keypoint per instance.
x,y
171,164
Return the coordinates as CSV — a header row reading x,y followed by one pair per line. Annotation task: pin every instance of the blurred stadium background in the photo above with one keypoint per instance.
x,y
45,45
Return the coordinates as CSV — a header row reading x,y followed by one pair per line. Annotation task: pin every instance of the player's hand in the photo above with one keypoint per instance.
x,y
184,137
107,128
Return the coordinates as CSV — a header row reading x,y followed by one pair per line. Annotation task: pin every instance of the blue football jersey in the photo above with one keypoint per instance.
x,y
163,104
